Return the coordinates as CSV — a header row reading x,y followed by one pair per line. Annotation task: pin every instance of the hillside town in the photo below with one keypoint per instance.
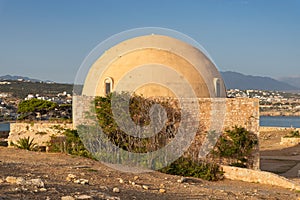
x,y
9,108
272,103
9,103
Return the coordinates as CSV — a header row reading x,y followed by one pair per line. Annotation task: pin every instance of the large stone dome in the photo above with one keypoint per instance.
x,y
154,65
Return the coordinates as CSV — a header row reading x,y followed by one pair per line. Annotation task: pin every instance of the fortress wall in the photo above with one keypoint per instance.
x,y
242,112
40,131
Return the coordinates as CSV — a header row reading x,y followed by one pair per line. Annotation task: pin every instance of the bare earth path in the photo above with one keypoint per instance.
x,y
53,169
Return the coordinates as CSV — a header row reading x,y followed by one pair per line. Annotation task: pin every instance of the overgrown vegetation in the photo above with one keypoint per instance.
x,y
236,144
26,143
74,145
70,143
139,108
188,167
293,134
139,112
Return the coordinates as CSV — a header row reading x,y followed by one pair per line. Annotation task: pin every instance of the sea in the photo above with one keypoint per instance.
x,y
273,121
4,126
280,121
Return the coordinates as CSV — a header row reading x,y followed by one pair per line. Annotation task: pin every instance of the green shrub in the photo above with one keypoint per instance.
x,y
26,143
236,144
74,145
71,144
188,167
293,134
35,105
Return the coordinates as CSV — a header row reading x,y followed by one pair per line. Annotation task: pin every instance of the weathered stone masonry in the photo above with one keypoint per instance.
x,y
40,131
242,112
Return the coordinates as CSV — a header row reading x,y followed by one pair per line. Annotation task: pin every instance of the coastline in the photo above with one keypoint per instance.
x,y
279,114
274,128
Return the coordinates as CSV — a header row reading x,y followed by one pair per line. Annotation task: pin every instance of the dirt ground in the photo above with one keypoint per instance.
x,y
53,168
276,158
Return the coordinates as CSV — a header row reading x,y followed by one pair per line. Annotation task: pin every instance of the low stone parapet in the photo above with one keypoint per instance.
x,y
41,132
255,176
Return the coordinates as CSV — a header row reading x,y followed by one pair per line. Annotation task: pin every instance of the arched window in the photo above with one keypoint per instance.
x,y
108,85
217,85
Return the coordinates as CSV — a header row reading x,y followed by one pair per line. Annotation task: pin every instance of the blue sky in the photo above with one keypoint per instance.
x,y
48,40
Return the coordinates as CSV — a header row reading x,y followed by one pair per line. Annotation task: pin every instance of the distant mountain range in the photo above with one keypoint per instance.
x,y
293,80
233,80
15,78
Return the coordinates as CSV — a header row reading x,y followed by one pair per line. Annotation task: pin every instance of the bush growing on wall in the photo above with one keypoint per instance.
x,y
236,144
70,143
293,134
139,112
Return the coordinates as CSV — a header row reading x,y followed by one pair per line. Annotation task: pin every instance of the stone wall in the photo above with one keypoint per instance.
x,y
40,131
241,112
238,111
218,113
255,176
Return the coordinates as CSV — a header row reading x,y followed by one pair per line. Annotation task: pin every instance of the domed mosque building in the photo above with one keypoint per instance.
x,y
164,67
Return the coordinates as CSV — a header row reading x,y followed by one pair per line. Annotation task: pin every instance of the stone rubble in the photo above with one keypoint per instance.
x,y
37,182
73,178
116,190
67,198
70,177
121,180
43,190
146,187
83,197
182,180
161,190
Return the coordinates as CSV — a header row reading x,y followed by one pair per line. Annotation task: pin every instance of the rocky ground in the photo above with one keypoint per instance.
x,y
37,175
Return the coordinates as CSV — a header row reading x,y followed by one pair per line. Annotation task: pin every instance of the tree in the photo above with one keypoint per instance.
x,y
29,108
